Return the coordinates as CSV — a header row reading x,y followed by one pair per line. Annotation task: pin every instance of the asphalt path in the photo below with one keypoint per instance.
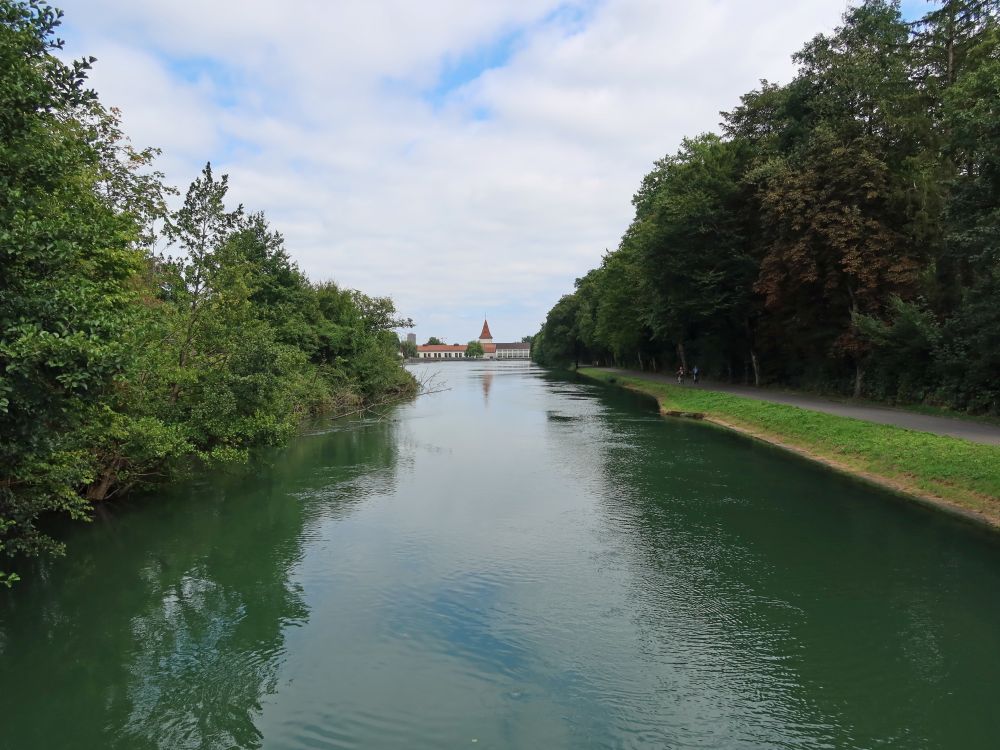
x,y
977,432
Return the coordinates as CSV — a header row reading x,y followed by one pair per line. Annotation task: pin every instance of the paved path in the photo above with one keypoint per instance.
x,y
977,432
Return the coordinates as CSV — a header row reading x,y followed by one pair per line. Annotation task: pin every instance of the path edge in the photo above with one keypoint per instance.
x,y
925,499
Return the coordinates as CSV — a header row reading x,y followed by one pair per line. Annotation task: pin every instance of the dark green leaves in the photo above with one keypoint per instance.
x,y
843,234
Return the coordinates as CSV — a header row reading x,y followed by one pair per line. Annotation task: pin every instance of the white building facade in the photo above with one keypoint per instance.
x,y
516,350
441,351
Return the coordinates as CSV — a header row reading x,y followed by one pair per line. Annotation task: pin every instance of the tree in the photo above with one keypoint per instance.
x,y
357,355
408,349
127,182
474,350
119,368
968,361
904,347
945,38
845,226
200,227
690,239
433,341
838,211
837,251
973,232
560,343
66,267
621,314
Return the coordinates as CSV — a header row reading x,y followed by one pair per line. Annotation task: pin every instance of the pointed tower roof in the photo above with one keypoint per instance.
x,y
486,331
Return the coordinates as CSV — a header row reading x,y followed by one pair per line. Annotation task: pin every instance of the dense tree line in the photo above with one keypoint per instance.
x,y
842,232
121,366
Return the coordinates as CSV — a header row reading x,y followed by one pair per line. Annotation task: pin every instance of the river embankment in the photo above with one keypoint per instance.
x,y
947,473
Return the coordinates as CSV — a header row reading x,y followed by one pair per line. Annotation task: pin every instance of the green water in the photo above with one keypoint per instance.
x,y
517,562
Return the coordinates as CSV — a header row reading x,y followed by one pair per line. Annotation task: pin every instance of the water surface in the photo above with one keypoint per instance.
x,y
521,561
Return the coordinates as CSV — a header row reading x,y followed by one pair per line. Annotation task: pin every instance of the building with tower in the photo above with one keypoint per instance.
x,y
486,339
491,350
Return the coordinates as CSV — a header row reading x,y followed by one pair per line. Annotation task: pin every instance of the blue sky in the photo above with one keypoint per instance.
x,y
495,53
470,65
914,9
460,157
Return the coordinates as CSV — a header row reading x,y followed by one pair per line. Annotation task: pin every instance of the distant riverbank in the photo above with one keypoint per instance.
x,y
948,473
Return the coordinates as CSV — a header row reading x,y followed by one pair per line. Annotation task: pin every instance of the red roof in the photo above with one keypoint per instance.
x,y
441,348
489,348
486,331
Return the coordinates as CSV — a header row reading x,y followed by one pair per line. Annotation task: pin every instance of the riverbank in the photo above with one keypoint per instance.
x,y
948,473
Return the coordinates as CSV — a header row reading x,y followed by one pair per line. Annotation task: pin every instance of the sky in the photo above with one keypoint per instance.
x,y
464,158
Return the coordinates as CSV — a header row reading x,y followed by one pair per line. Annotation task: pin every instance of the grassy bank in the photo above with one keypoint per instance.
x,y
949,472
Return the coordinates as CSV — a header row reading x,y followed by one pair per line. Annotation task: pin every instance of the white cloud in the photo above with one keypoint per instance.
x,y
492,196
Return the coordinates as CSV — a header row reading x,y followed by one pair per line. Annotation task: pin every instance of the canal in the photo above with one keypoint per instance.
x,y
519,561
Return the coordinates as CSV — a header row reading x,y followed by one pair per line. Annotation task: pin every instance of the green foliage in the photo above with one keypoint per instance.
x,y
236,347
474,350
558,343
66,263
905,346
118,368
433,340
968,354
621,324
842,234
690,239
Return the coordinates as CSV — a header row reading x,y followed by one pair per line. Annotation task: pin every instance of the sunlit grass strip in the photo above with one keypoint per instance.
x,y
932,467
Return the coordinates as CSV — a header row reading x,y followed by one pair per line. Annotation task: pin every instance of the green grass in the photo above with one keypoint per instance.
x,y
958,471
941,411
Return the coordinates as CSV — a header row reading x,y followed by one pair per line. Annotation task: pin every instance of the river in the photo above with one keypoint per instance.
x,y
520,561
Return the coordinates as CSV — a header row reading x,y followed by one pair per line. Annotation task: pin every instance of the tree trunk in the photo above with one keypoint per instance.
x,y
952,23
641,368
753,352
756,367
681,355
859,371
99,490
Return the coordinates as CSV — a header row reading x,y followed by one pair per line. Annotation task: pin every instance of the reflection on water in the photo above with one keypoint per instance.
x,y
165,628
521,561
487,377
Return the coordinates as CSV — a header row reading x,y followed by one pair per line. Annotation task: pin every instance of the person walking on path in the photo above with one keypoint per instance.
x,y
694,374
680,375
